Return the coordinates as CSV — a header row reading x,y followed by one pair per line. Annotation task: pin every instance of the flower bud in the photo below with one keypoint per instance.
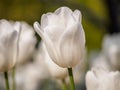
x,y
9,34
98,79
63,35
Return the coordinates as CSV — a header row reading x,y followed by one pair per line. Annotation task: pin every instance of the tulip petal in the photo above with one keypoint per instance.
x,y
96,77
53,29
52,32
91,81
5,26
63,11
53,19
2,57
55,70
78,16
17,26
72,38
82,35
65,15
51,48
9,52
12,47
44,21
38,29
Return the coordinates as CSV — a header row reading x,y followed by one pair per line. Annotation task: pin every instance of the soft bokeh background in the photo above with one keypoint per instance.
x,y
100,17
97,14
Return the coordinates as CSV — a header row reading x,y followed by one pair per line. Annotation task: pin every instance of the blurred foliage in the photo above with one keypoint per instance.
x,y
94,12
48,85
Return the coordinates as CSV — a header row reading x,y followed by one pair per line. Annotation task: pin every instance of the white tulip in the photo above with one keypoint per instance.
x,y
111,48
63,35
28,77
9,34
114,57
27,43
98,79
99,61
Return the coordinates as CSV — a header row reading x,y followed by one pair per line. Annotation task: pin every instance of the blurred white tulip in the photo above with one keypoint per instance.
x,y
9,34
27,43
99,79
28,77
98,61
63,35
111,49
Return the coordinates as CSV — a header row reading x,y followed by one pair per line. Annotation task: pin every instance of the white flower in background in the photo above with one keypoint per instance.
x,y
54,70
114,57
98,61
63,35
98,79
27,43
9,34
111,48
28,77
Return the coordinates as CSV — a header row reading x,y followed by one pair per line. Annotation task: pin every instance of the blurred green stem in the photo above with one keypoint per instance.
x,y
13,79
6,80
71,78
64,87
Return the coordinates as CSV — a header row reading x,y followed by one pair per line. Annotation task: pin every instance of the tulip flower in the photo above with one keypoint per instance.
x,y
29,77
111,49
8,44
9,34
99,61
63,35
98,79
27,43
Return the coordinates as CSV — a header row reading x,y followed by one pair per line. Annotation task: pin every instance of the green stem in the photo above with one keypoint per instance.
x,y
71,79
13,79
64,87
6,80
